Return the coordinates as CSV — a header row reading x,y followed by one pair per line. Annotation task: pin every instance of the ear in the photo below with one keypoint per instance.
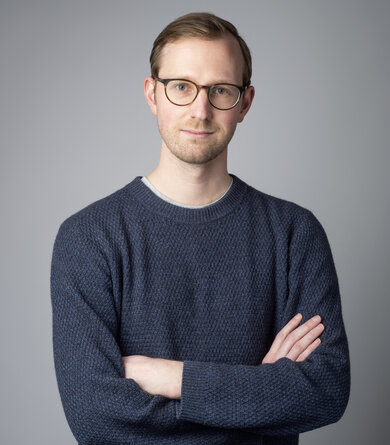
x,y
149,93
249,94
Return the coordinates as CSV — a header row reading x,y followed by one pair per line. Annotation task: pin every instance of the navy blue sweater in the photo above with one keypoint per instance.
x,y
133,274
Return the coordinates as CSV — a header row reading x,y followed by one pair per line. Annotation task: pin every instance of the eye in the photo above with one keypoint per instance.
x,y
181,86
221,90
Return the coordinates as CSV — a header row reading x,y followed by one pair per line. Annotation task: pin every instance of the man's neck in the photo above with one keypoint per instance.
x,y
193,190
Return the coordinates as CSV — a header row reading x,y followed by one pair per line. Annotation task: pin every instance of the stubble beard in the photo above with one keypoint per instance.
x,y
194,151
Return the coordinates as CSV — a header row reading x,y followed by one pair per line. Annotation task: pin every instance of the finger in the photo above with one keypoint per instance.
x,y
309,350
283,333
298,333
300,346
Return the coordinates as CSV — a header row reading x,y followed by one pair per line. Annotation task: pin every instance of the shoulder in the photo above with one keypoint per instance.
x,y
102,218
282,213
297,226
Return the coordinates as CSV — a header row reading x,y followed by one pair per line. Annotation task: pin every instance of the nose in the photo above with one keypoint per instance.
x,y
201,107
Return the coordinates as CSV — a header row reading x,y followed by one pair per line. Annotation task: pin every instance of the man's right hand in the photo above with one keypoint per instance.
x,y
296,343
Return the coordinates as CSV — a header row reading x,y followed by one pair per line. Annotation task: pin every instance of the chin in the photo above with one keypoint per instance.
x,y
201,157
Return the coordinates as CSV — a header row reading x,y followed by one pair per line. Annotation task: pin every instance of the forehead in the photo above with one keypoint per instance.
x,y
203,60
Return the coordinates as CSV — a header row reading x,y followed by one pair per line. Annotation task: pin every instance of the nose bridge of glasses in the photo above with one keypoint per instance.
x,y
199,89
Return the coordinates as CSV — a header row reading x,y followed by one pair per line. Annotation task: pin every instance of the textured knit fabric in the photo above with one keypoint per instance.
x,y
133,274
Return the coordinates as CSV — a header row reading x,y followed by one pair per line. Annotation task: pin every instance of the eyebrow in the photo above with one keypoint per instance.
x,y
209,83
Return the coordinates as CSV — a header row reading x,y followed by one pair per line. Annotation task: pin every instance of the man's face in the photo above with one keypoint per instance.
x,y
198,133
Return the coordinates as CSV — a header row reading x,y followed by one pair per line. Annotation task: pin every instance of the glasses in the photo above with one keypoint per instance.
x,y
222,96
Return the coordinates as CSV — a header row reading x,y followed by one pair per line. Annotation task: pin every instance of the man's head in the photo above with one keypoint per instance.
x,y
205,50
201,25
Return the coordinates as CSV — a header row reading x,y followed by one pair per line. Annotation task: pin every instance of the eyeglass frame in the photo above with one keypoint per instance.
x,y
199,87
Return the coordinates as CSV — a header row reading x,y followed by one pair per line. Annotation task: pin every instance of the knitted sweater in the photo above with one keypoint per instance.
x,y
133,274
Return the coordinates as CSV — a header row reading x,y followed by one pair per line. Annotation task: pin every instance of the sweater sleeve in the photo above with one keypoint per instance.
x,y
284,397
101,406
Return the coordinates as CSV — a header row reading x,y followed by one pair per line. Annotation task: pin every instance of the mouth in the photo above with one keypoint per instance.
x,y
197,134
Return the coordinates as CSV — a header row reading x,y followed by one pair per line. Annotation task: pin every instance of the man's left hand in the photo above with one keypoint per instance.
x,y
157,376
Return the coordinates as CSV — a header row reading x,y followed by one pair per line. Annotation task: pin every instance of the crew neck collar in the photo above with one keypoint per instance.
x,y
148,199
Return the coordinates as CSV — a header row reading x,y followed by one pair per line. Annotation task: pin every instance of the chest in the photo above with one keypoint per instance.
x,y
201,294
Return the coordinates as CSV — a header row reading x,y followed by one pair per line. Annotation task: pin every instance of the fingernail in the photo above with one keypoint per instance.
x,y
317,318
298,316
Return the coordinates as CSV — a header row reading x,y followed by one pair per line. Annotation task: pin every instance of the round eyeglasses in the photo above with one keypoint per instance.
x,y
222,96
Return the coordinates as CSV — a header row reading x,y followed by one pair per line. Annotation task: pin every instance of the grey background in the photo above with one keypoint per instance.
x,y
75,127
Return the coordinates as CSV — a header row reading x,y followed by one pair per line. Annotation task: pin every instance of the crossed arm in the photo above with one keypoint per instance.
x,y
163,377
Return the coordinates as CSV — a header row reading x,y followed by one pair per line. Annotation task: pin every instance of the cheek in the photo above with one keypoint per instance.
x,y
229,123
165,120
169,116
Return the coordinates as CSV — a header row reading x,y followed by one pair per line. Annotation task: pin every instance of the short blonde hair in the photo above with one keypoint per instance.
x,y
203,25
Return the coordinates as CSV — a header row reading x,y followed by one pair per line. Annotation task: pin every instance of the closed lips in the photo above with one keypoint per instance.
x,y
198,132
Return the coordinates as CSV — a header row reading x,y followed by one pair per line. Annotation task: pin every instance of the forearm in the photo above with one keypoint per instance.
x,y
164,377
282,398
278,399
157,376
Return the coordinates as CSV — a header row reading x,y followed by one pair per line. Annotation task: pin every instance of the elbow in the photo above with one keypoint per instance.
x,y
336,409
91,423
88,430
326,408
342,390
84,428
334,399
341,399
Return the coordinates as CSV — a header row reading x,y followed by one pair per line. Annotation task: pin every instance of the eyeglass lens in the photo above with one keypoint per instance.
x,y
183,92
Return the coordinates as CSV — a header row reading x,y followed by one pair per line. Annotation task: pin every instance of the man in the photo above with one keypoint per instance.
x,y
187,305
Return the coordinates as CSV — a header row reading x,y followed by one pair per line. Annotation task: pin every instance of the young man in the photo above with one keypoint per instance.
x,y
184,303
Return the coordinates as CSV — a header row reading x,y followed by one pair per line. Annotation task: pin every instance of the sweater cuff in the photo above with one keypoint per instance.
x,y
194,391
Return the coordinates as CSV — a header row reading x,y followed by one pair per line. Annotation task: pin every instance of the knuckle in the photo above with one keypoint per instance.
x,y
297,348
295,336
311,336
279,335
280,338
291,355
317,331
312,322
291,336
